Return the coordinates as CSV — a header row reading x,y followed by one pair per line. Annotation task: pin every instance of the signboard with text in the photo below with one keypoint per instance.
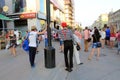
x,y
23,16
27,15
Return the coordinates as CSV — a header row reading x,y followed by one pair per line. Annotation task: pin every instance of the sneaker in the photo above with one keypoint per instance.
x,y
70,70
33,66
80,63
66,69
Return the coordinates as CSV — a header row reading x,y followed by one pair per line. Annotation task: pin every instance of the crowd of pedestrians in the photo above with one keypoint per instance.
x,y
69,39
12,39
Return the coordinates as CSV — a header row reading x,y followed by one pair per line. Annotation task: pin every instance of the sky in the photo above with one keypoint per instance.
x,y
87,11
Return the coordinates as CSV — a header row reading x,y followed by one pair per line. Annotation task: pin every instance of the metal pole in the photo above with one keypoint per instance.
x,y
3,23
48,22
49,51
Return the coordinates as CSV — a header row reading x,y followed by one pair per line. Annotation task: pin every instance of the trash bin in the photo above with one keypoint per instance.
x,y
49,56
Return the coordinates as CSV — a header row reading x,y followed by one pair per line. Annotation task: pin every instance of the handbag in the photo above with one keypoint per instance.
x,y
77,47
99,44
89,39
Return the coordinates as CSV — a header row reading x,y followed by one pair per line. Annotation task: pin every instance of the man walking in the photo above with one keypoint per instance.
x,y
86,36
33,44
107,36
67,36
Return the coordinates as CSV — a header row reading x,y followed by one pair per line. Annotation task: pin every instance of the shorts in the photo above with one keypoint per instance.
x,y
94,45
46,42
112,38
107,38
13,45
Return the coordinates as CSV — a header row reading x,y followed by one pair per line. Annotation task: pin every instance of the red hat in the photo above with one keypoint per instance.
x,y
64,24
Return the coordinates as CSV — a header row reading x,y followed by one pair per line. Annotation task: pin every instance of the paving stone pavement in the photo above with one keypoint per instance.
x,y
18,68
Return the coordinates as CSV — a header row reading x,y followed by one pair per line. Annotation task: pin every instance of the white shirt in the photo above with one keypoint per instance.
x,y
32,39
91,33
102,34
76,39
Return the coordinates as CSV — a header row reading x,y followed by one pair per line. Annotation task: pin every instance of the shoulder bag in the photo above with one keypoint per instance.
x,y
77,47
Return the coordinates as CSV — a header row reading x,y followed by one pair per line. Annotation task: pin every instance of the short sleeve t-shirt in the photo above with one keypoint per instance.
x,y
33,39
96,38
107,32
86,34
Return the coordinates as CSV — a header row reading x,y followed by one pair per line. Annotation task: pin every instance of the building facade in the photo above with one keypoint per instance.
x,y
26,13
101,21
69,12
114,19
2,3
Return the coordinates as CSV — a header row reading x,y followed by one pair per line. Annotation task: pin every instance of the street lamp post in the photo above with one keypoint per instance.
x,y
49,51
5,9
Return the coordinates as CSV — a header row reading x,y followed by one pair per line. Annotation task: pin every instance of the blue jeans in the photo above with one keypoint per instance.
x,y
46,42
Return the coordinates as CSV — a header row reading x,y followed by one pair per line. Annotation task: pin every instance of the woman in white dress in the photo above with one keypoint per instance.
x,y
77,52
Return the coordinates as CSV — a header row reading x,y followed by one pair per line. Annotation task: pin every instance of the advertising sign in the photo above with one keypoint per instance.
x,y
27,15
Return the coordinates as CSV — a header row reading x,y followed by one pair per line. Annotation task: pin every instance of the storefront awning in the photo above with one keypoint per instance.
x,y
2,17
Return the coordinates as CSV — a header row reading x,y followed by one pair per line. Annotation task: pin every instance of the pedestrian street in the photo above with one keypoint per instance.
x,y
18,68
